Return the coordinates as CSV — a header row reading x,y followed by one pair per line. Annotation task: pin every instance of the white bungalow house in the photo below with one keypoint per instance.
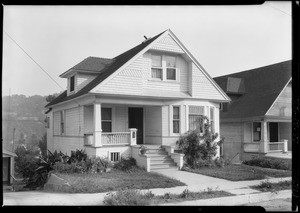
x,y
147,95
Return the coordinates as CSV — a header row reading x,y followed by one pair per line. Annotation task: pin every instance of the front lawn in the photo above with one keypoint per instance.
x,y
240,172
266,186
116,180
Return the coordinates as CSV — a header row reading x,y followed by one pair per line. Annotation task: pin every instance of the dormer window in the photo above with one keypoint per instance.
x,y
156,69
163,67
72,83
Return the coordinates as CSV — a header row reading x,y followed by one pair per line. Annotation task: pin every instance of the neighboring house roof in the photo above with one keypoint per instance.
x,y
6,152
118,61
257,93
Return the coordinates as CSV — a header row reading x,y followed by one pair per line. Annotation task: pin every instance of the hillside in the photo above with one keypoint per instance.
x,y
26,115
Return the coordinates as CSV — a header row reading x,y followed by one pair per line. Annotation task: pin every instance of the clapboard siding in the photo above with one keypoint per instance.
x,y
67,144
88,119
74,121
285,132
284,100
83,80
202,87
168,44
152,121
233,134
56,123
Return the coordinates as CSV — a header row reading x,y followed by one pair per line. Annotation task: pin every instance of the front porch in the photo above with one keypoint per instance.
x,y
268,136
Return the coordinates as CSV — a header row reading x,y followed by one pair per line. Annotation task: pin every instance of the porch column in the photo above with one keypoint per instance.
x,y
97,125
264,137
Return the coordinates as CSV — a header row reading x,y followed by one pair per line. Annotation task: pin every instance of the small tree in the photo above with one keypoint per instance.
x,y
199,146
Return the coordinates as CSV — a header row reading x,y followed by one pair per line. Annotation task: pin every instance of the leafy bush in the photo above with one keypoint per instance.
x,y
26,162
269,163
64,167
126,198
125,164
199,148
78,155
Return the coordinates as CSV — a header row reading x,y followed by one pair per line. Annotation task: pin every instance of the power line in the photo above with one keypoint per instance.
x,y
32,58
268,4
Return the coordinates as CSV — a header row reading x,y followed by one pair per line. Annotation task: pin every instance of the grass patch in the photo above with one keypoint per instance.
x,y
240,172
136,198
267,162
116,180
186,195
266,186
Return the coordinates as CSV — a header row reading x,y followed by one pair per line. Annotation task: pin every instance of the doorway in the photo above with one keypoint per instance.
x,y
136,120
273,128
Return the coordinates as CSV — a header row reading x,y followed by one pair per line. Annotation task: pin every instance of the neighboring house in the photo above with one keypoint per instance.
x,y
147,95
8,162
258,119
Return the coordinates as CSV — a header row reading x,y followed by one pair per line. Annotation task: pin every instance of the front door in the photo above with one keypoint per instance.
x,y
273,131
5,170
135,120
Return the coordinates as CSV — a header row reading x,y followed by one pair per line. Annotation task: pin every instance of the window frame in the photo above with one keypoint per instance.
x,y
72,83
157,67
164,68
114,155
176,119
212,118
259,132
111,118
62,128
201,128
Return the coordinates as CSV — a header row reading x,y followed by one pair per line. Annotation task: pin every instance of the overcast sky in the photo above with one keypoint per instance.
x,y
224,39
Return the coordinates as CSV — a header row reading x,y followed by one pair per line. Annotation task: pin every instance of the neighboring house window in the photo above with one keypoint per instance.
x,y
212,119
176,119
156,69
171,67
196,121
106,116
115,156
62,122
72,83
256,131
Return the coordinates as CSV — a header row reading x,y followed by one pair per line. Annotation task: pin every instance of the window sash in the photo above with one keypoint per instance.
x,y
156,73
62,122
156,61
256,131
176,119
171,73
196,123
72,83
170,61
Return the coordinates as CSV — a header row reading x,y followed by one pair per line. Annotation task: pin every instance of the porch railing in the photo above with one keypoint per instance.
x,y
276,146
115,138
251,147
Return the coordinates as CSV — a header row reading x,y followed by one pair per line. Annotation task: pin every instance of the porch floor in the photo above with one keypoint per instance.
x,y
287,155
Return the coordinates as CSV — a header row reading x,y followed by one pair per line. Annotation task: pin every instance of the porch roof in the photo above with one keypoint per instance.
x,y
262,86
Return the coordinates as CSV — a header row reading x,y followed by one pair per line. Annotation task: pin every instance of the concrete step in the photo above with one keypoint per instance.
x,y
163,166
161,162
156,151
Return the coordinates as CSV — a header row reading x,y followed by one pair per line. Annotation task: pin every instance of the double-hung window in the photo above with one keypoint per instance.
x,y
156,68
256,131
212,119
62,122
176,119
171,67
106,115
196,121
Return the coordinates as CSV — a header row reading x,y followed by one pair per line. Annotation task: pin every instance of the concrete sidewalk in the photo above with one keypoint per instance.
x,y
195,183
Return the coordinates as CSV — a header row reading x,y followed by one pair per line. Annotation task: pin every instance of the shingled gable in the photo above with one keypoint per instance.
x,y
262,86
110,70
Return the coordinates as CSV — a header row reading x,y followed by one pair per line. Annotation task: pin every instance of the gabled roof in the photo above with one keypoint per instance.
x,y
117,62
90,64
261,86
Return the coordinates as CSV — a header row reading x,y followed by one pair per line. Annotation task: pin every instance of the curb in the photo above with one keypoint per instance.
x,y
236,200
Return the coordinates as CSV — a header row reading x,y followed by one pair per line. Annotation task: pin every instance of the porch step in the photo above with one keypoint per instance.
x,y
159,159
156,151
163,166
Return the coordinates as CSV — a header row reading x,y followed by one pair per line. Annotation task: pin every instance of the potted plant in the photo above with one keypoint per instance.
x,y
143,149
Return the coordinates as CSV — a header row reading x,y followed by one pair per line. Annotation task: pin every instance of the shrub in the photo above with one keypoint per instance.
x,y
198,147
126,198
125,164
78,155
26,162
269,163
64,167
